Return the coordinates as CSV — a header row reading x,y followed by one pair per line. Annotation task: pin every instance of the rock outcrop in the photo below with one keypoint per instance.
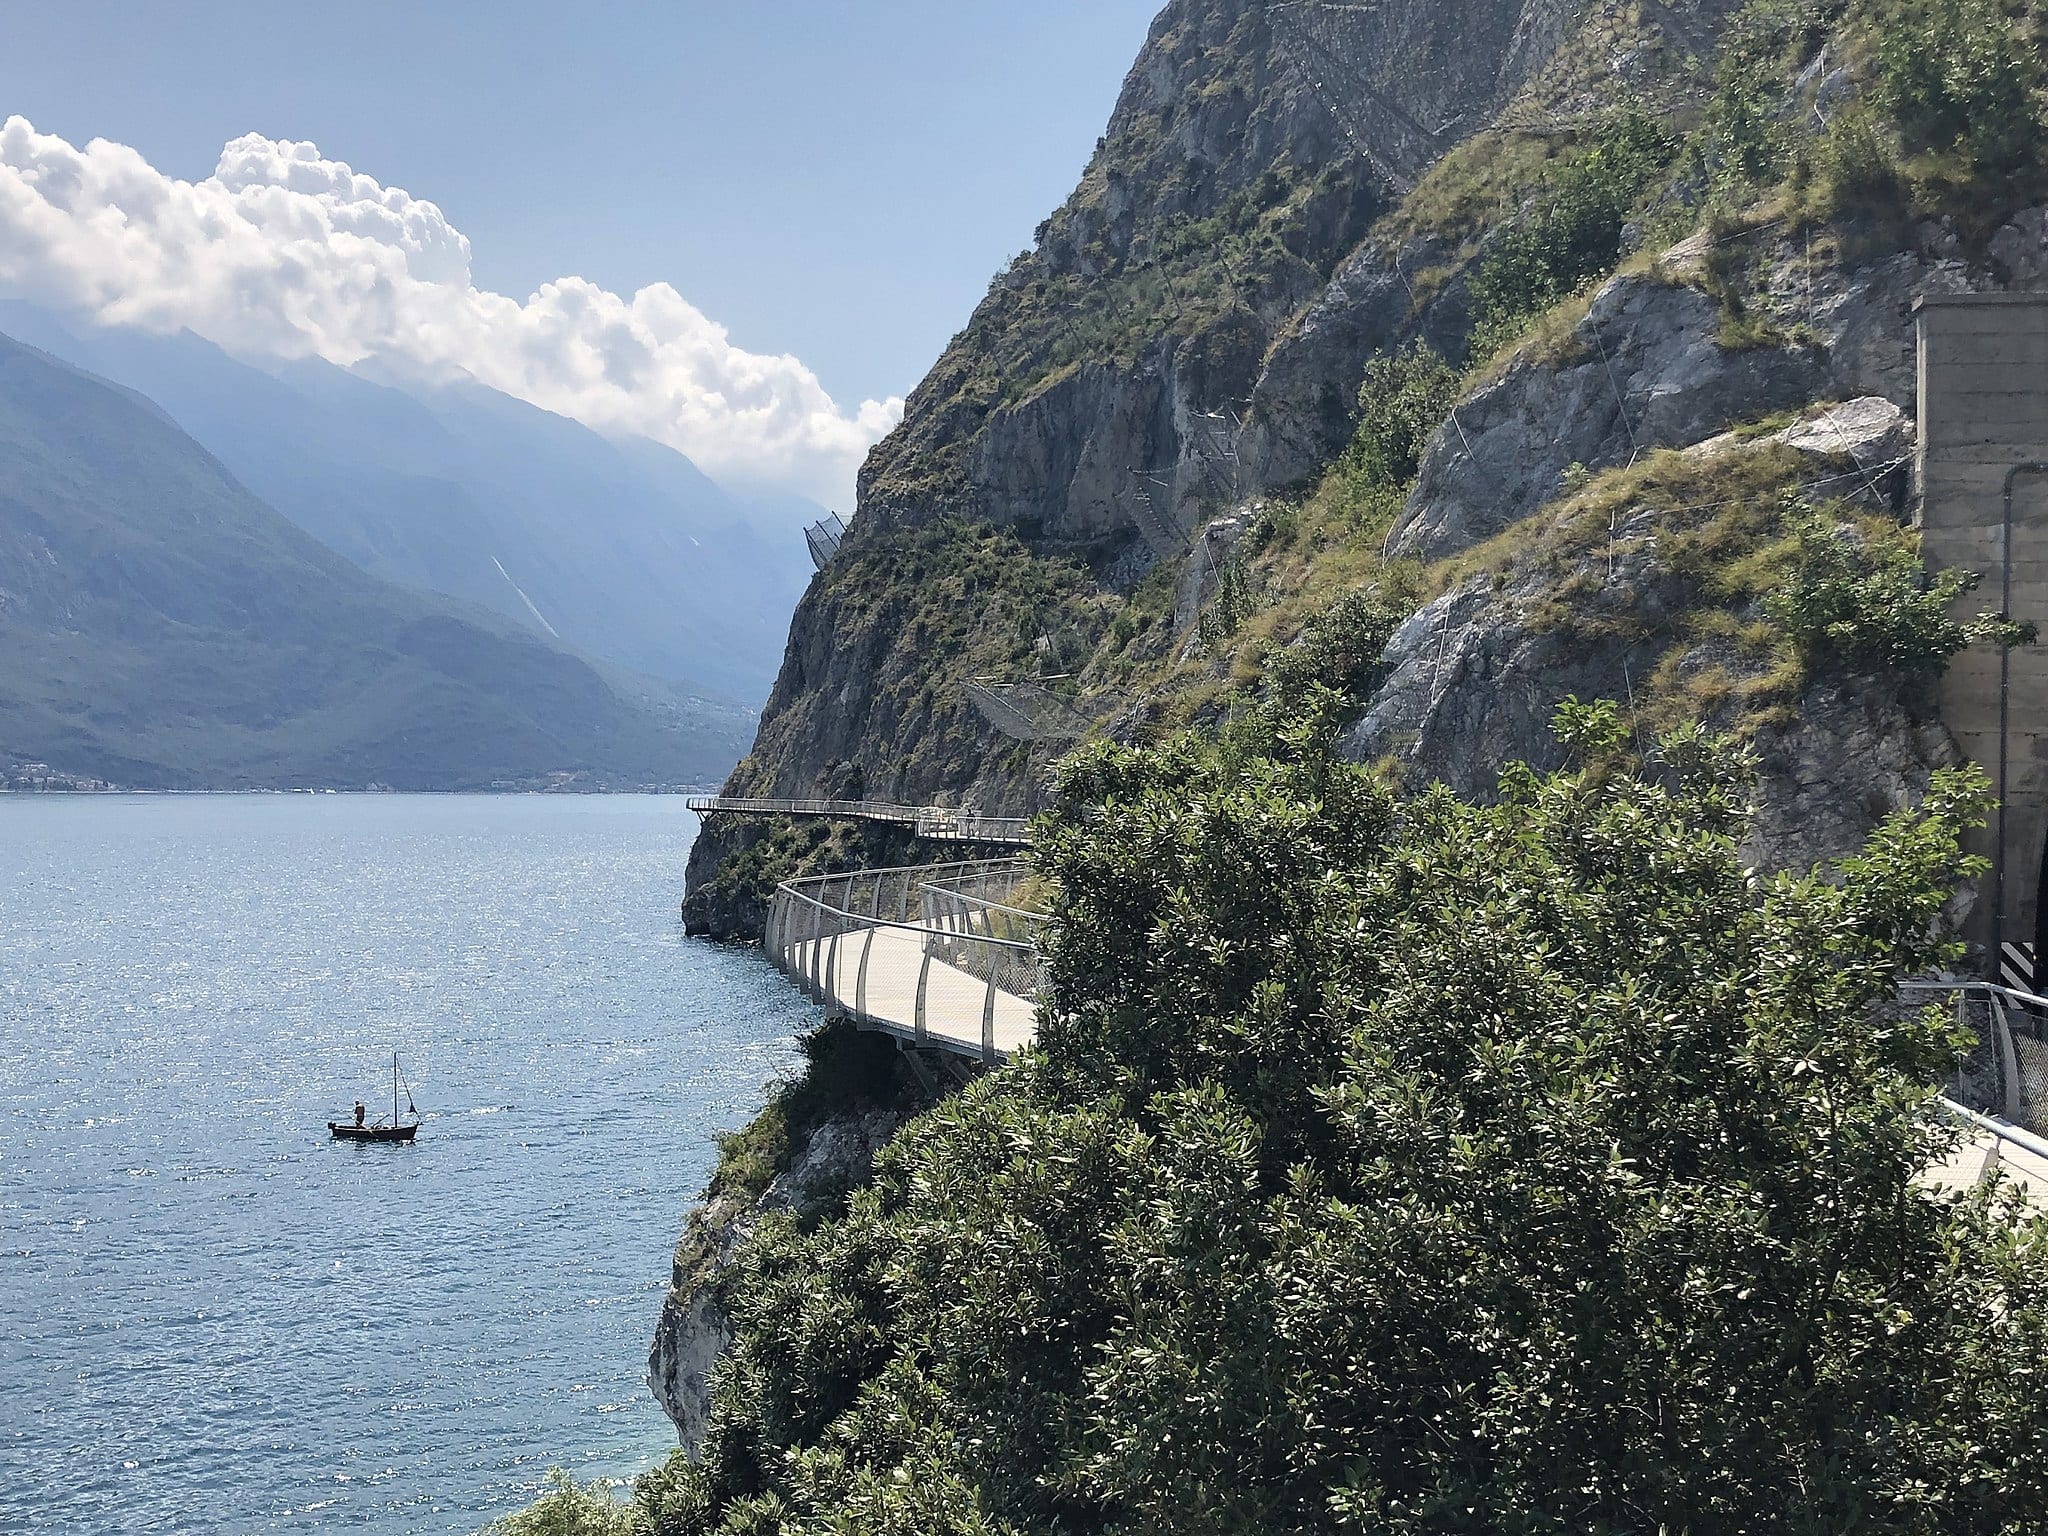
x,y
1156,382
1644,369
1188,330
1472,681
694,1328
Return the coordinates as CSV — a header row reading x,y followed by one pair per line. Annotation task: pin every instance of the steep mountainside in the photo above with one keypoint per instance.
x,y
1358,321
1397,373
624,551
161,627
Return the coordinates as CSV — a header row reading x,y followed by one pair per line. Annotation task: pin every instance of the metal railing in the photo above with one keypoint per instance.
x,y
930,953
2006,1076
942,955
937,823
2002,1134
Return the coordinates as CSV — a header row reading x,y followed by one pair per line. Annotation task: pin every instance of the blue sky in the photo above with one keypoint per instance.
x,y
837,179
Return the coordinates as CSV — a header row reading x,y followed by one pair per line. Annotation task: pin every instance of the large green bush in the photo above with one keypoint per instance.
x,y
566,1508
1572,231
1427,1168
1958,74
1339,649
1866,600
1405,397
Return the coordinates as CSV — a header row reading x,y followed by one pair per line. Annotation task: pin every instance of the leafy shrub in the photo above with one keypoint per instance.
x,y
1236,598
1957,74
567,1509
1855,169
1405,398
1571,234
1339,649
1433,1170
1868,602
1747,138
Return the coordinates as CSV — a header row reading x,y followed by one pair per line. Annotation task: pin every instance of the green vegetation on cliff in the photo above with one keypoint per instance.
x,y
1207,215
1828,123
903,620
1421,1166
1532,1167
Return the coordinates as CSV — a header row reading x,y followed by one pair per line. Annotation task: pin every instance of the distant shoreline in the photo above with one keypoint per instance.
x,y
82,791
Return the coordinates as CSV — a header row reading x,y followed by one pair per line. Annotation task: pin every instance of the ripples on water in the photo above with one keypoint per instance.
x,y
214,1319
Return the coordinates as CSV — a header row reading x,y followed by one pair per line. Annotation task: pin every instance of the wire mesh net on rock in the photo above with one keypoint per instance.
x,y
823,538
1026,711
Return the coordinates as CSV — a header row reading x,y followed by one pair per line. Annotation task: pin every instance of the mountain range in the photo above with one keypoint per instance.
x,y
622,550
161,626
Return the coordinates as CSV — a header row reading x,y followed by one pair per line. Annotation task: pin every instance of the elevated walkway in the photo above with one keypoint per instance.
x,y
932,954
937,823
1995,1146
942,957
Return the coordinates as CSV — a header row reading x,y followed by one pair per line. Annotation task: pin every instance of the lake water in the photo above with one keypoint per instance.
x,y
212,1317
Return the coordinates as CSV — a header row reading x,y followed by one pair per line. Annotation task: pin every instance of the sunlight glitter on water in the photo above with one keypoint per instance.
x,y
220,1321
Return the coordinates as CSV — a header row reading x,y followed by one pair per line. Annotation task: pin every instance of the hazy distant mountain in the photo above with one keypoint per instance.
x,y
161,626
624,550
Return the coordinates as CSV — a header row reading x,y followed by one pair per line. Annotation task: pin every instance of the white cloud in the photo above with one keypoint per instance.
x,y
284,254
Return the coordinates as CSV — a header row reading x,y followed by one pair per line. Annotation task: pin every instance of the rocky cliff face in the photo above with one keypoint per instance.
x,y
1188,331
1145,473
694,1328
1086,487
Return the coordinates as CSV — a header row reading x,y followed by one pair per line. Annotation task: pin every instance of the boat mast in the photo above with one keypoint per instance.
x,y
394,1090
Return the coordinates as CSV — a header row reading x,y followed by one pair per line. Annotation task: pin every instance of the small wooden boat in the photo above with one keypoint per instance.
x,y
380,1129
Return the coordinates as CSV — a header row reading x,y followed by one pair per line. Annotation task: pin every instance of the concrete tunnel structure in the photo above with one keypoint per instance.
x,y
1983,477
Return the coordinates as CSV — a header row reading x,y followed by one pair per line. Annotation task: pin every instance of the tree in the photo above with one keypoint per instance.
x,y
1426,1168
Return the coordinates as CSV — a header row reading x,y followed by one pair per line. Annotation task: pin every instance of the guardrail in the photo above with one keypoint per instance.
x,y
924,952
2007,1075
935,822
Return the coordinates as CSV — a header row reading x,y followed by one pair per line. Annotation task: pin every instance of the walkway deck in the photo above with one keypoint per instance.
x,y
886,978
931,954
1992,1146
936,823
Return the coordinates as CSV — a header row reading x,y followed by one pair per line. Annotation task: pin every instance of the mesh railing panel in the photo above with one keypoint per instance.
x,y
935,822
2005,1074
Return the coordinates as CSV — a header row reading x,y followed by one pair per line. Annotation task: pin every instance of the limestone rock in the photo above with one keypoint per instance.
x,y
1865,318
711,910
2020,249
1869,431
1856,754
1470,685
1644,369
1304,406
695,1328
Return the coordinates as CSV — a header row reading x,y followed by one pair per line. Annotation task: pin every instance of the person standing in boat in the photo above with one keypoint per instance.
x,y
359,1112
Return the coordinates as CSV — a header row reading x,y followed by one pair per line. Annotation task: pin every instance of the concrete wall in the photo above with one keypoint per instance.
x,y
1983,410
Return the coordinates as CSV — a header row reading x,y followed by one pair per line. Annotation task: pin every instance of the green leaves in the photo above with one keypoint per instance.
x,y
566,1508
1431,1168
1957,74
1405,397
1571,233
1862,598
